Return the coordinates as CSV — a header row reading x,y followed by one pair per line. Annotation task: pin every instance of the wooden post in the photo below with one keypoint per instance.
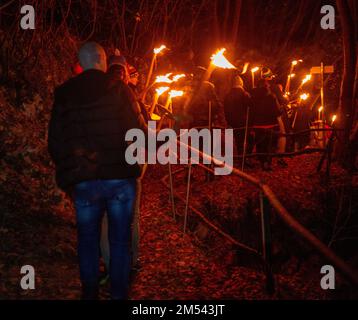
x,y
267,243
322,85
187,198
210,125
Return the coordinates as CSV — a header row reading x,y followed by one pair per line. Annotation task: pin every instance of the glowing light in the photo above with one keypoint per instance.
x,y
218,60
164,78
306,79
158,50
178,76
320,109
253,70
292,75
334,117
304,96
161,90
294,62
175,93
155,117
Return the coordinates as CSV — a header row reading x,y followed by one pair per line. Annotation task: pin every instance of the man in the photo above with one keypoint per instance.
x,y
276,90
266,119
86,141
237,105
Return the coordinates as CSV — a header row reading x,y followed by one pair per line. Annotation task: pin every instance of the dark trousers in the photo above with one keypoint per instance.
x,y
92,199
264,140
240,141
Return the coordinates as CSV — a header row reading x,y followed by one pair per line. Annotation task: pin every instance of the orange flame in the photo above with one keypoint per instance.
x,y
253,70
158,50
320,109
175,93
334,118
306,79
304,96
164,78
218,60
161,90
178,76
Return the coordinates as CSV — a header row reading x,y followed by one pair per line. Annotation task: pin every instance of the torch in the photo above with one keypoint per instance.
x,y
172,94
334,118
253,70
158,93
305,80
288,83
320,115
218,60
303,97
156,51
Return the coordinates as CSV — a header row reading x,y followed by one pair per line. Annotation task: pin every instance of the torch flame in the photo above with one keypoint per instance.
x,y
304,96
163,78
320,109
161,90
166,78
178,76
253,70
307,78
218,60
175,93
334,118
295,62
158,50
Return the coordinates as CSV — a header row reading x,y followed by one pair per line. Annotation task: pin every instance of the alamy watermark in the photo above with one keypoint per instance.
x,y
175,150
27,282
328,20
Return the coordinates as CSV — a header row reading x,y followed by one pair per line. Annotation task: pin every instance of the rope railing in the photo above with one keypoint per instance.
x,y
348,273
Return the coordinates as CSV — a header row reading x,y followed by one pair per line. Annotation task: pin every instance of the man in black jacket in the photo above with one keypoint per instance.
x,y
86,141
237,105
267,121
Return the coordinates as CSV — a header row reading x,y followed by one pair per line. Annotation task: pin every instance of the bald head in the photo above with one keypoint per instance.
x,y
92,56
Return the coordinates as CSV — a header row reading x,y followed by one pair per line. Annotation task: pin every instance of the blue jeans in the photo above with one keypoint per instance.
x,y
92,199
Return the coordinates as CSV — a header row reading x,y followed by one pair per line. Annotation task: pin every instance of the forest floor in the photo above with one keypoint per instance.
x,y
176,265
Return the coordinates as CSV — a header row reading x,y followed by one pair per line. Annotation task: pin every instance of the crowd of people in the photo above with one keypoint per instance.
x,y
86,140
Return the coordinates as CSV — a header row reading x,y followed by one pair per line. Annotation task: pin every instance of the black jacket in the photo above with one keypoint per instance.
x,y
265,110
236,104
86,139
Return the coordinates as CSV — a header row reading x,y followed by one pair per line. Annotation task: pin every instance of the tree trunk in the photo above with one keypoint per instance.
x,y
346,103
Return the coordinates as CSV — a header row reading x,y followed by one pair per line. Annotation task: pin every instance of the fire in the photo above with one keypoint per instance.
x,y
155,117
158,50
253,70
178,76
295,62
306,79
218,60
334,118
304,96
175,93
320,109
161,90
292,75
164,78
